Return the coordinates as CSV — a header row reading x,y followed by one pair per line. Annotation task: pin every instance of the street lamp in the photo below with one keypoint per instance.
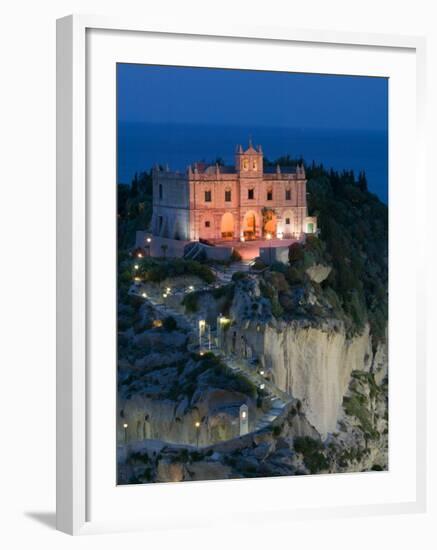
x,y
261,372
149,240
202,325
197,425
136,266
125,432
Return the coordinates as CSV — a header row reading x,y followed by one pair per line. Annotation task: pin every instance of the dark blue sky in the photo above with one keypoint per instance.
x,y
160,94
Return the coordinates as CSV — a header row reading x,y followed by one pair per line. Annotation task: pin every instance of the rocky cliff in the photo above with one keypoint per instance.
x,y
311,359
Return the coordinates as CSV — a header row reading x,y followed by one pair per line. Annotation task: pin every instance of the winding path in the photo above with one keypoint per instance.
x,y
277,398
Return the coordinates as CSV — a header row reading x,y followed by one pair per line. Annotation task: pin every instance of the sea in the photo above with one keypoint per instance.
x,y
141,145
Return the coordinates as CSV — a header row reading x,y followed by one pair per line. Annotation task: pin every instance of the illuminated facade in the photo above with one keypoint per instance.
x,y
231,203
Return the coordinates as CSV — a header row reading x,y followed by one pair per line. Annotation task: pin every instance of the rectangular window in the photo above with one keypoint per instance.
x,y
287,221
160,191
269,195
207,196
287,195
207,224
250,194
228,196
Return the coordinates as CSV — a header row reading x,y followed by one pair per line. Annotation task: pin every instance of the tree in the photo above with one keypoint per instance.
x,y
362,181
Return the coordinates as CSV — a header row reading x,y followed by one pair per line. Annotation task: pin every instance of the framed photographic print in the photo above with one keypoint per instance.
x,y
238,220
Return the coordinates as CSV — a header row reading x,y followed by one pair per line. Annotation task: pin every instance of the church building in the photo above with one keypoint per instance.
x,y
244,202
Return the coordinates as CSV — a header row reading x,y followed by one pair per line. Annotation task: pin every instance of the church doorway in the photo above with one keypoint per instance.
x,y
227,226
249,226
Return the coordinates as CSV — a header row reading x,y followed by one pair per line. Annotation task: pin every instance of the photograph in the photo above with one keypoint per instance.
x,y
252,274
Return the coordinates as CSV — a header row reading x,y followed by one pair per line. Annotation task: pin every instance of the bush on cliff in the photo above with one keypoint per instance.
x,y
354,230
312,451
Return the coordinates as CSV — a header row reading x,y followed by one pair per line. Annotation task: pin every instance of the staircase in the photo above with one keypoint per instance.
x,y
278,400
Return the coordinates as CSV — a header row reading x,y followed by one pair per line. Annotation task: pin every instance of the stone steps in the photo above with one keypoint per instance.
x,y
278,399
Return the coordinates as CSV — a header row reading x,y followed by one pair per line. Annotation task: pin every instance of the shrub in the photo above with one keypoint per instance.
x,y
312,451
277,431
169,323
295,253
190,301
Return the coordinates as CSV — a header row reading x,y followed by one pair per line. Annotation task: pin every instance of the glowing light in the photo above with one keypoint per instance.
x,y
191,287
139,255
164,295
261,372
124,426
202,324
168,289
268,236
201,353
137,279
242,239
144,295
149,239
262,386
136,266
243,414
197,424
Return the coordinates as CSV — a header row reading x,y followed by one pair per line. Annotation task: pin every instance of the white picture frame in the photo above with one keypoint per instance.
x,y
74,465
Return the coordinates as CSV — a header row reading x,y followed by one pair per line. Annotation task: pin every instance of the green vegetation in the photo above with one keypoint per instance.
x,y
134,208
354,228
353,240
208,371
223,294
157,270
357,405
312,451
169,323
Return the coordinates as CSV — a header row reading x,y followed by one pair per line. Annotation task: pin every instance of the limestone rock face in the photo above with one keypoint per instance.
x,y
175,422
318,272
313,363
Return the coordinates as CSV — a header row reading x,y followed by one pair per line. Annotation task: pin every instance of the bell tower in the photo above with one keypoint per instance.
x,y
249,162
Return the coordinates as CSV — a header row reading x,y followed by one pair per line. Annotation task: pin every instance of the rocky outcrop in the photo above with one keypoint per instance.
x,y
318,272
311,359
311,362
216,411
